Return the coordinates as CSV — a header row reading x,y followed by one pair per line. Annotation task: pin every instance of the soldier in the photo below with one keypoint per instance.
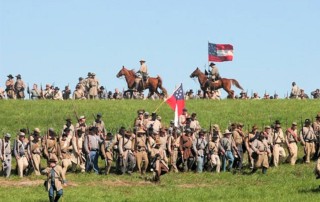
x,y
77,156
214,73
186,145
139,121
48,92
238,136
117,95
78,94
291,140
144,73
91,146
140,150
183,118
20,152
65,149
316,129
66,93
69,125
228,145
82,124
55,179
163,137
93,86
35,92
295,91
10,87
278,142
50,146
82,84
194,124
34,149
102,94
160,162
19,87
57,94
2,95
116,141
126,147
154,123
5,155
107,152
269,137
98,123
308,138
173,148
214,147
199,145
316,94
262,151
255,96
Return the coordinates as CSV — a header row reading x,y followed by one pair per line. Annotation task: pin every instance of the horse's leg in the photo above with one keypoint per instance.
x,y
204,94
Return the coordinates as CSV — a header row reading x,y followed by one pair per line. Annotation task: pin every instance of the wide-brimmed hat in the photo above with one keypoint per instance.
x,y
10,76
7,135
158,142
142,60
141,131
227,132
294,123
211,64
21,134
318,115
36,130
82,117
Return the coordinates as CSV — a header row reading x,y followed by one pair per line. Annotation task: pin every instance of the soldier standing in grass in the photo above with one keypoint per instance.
x,y
55,180
214,147
79,94
291,140
10,87
50,146
107,152
199,145
238,136
308,138
173,148
92,146
77,156
185,149
98,123
316,129
5,155
228,145
65,147
93,84
34,147
126,148
141,151
20,152
159,163
260,147
278,143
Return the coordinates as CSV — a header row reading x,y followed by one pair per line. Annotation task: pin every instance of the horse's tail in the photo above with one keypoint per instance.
x,y
160,86
236,83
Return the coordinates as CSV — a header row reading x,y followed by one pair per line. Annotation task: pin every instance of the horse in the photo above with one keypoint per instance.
x,y
221,83
152,83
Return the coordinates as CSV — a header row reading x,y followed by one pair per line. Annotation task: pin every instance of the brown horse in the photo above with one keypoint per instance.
x,y
152,83
221,83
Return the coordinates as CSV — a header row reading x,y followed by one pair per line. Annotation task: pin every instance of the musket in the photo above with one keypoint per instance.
x,y
28,91
41,91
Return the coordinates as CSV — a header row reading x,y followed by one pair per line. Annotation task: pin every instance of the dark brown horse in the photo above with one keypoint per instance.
x,y
152,83
221,83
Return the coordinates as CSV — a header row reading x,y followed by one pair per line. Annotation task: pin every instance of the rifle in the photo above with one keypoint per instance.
x,y
28,91
41,91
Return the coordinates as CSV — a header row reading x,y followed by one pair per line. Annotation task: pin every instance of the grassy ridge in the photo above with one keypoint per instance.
x,y
286,183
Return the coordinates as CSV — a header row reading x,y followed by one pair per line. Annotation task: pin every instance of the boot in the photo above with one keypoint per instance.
x,y
254,170
51,199
264,170
57,198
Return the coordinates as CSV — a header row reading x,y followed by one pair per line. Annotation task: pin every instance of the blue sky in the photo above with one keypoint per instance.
x,y
275,42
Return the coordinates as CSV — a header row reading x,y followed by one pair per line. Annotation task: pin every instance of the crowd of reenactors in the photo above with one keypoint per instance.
x,y
90,88
148,146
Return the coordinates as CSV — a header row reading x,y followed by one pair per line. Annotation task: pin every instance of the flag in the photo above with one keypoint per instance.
x,y
220,52
176,102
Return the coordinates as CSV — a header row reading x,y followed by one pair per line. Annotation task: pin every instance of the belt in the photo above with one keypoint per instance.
x,y
94,149
142,149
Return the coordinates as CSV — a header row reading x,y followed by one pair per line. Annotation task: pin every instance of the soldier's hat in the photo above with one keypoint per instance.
x,y
56,88
162,130
21,134
52,132
277,122
23,130
267,127
18,76
318,115
294,123
142,60
89,74
172,122
188,131
240,125
99,114
185,109
80,78
227,132
254,127
7,135
190,91
93,74
68,120
128,133
307,121
66,130
194,114
154,114
146,113
158,142
141,111
10,76
82,117
212,64
36,130
202,132
101,87
109,134
141,131
242,93
277,126
159,118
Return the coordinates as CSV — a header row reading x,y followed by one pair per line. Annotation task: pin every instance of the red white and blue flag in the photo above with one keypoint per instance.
x,y
176,102
220,52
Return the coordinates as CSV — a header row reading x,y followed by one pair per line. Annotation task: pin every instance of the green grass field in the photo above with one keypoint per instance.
x,y
286,183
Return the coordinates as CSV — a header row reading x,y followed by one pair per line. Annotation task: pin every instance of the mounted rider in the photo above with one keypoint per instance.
x,y
143,72
213,74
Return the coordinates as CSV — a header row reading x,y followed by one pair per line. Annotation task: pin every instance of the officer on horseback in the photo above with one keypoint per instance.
x,y
143,72
214,73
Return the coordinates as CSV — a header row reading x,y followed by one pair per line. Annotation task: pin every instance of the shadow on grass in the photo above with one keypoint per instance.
x,y
308,190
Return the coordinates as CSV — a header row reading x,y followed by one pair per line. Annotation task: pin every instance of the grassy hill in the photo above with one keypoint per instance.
x,y
286,183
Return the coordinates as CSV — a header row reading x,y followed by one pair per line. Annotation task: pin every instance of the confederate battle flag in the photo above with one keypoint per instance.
x,y
176,102
220,52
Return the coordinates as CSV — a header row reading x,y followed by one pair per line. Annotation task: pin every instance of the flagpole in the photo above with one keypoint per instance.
x,y
164,99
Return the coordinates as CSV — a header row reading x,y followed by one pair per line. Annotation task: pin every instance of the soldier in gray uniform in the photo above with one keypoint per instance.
x,y
91,146
5,155
199,145
126,147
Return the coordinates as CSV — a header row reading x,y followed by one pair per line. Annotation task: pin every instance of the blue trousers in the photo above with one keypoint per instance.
x,y
92,162
228,156
51,192
200,160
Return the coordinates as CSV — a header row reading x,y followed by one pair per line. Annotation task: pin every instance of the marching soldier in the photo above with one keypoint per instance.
x,y
308,138
173,148
199,145
278,142
291,140
186,144
77,156
126,147
116,150
98,123
92,145
35,150
214,147
10,87
50,146
316,129
65,147
248,142
141,151
238,137
93,84
19,87
160,161
55,180
20,152
228,145
262,151
5,155
107,152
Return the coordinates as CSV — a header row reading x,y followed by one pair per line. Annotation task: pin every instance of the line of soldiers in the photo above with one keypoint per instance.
x,y
149,146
